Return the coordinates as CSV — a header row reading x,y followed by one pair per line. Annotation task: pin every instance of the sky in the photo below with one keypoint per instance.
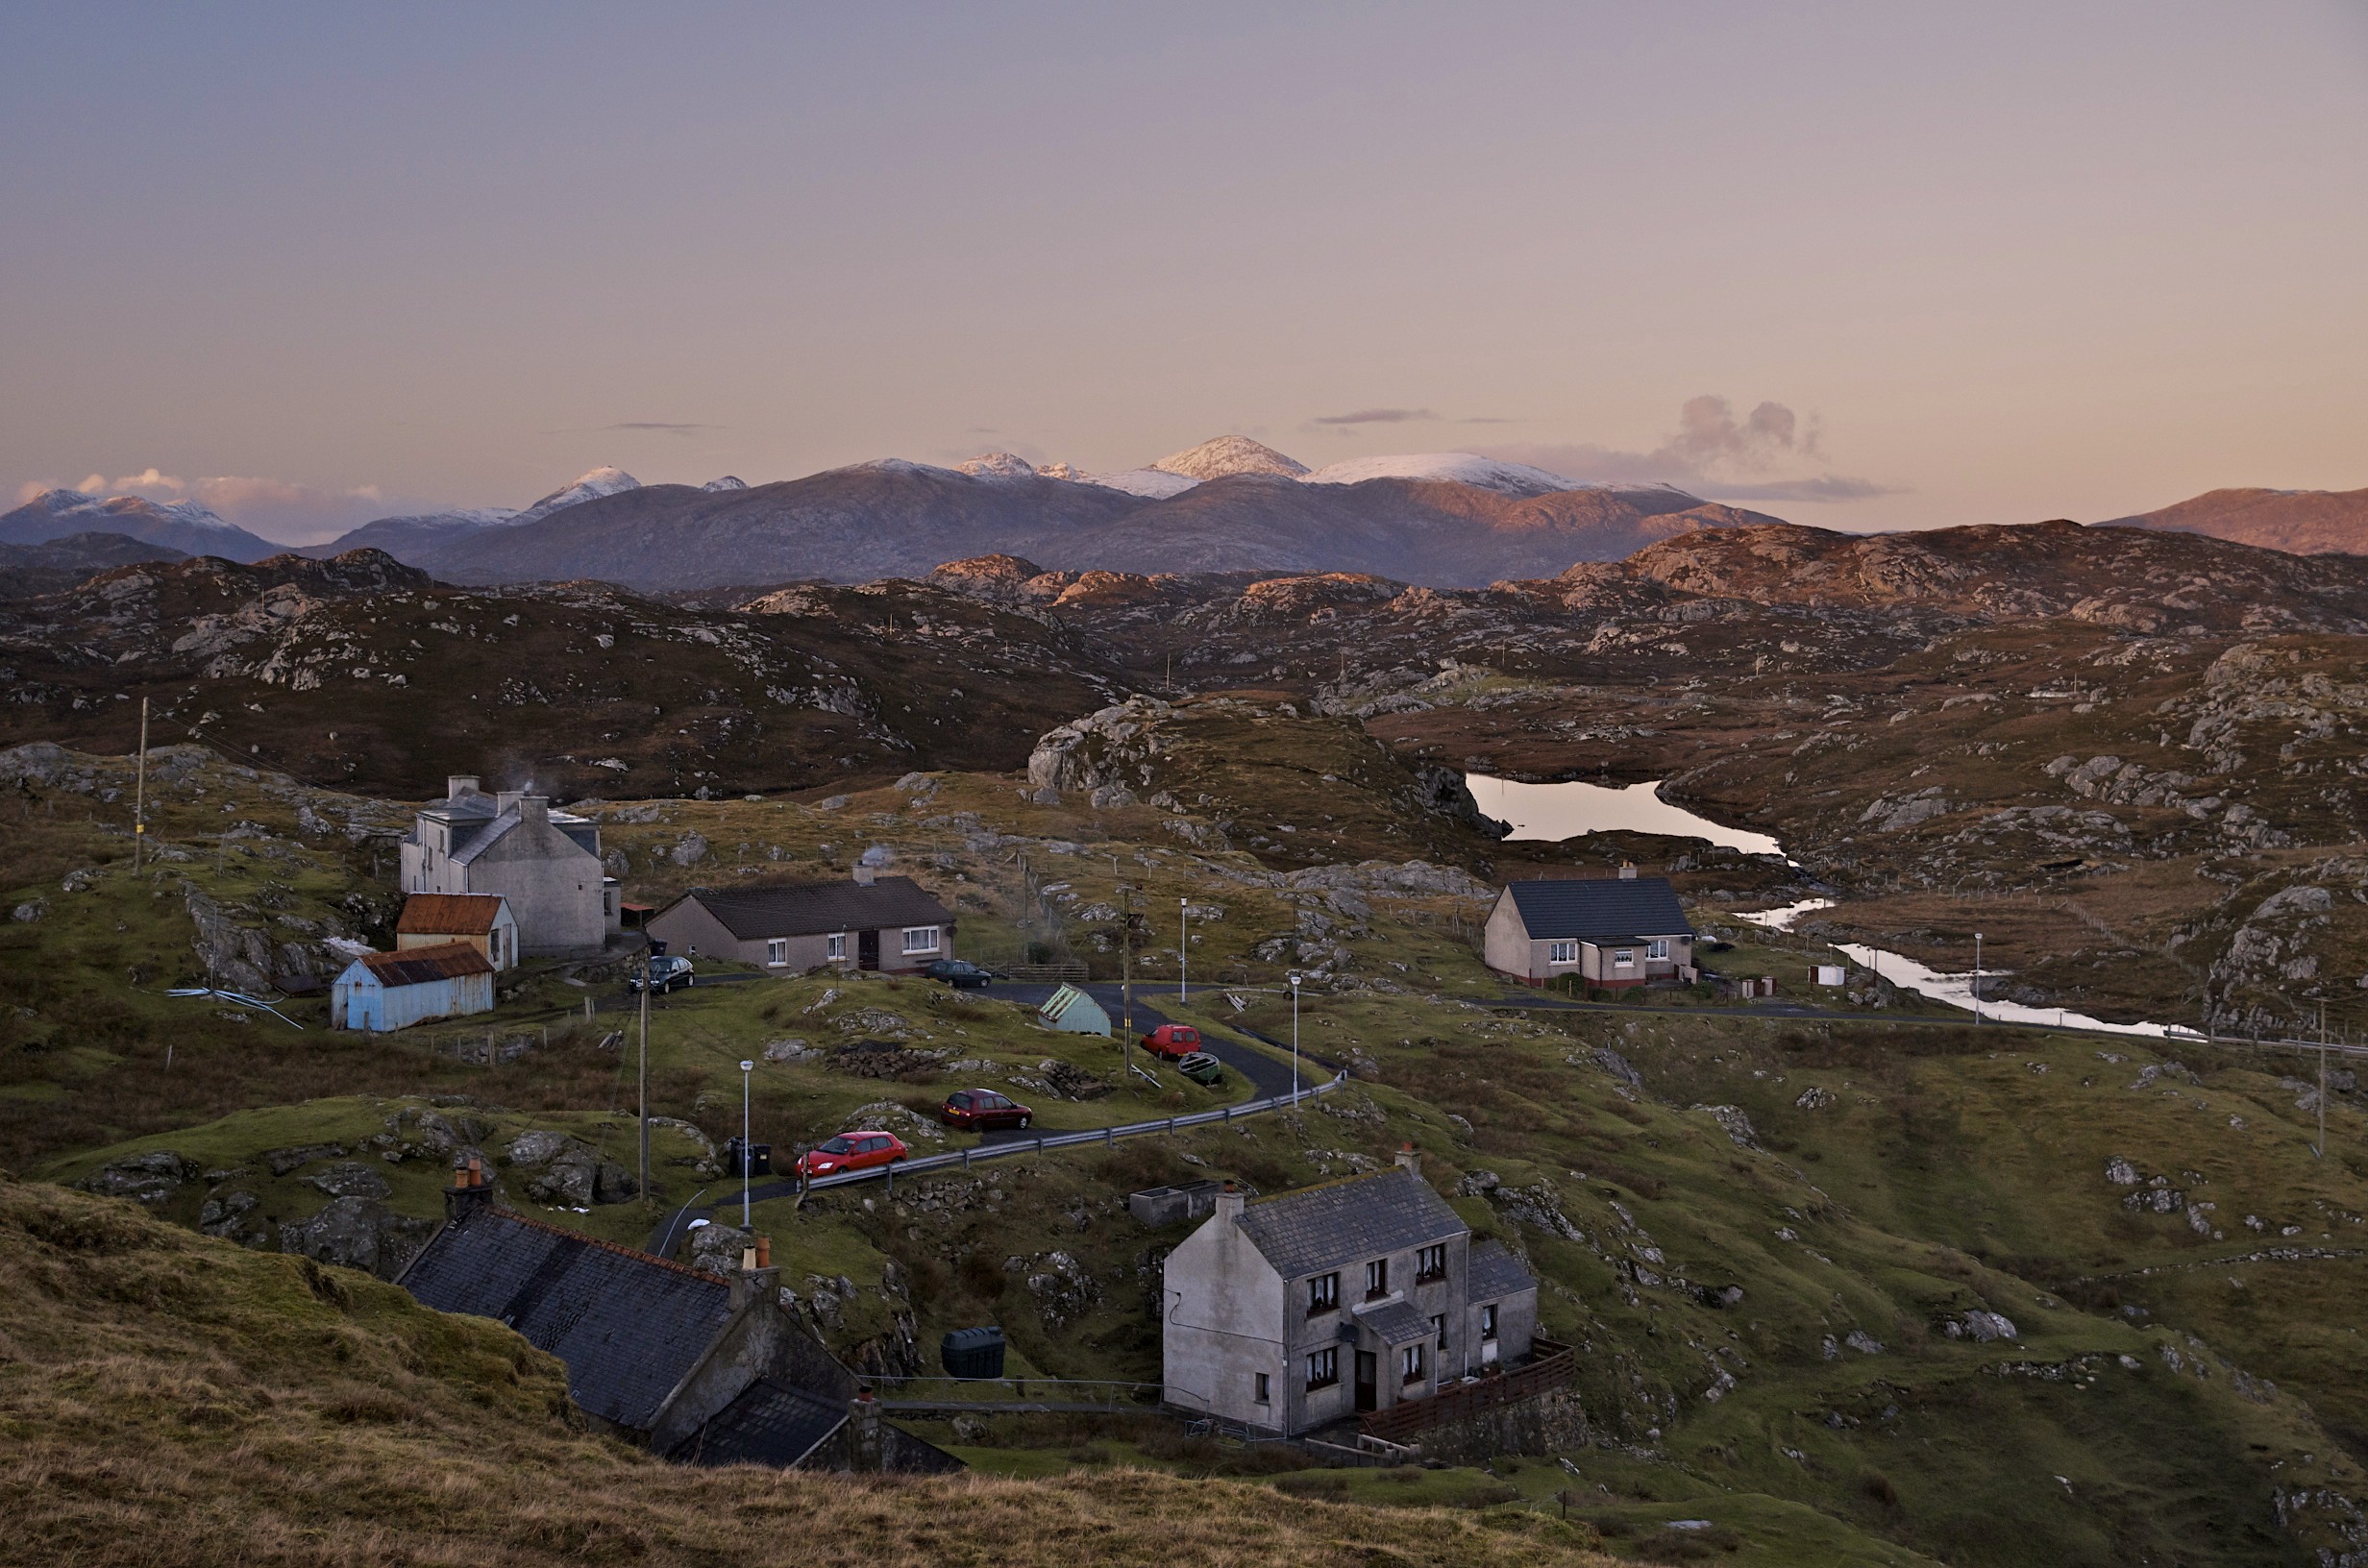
x,y
1865,265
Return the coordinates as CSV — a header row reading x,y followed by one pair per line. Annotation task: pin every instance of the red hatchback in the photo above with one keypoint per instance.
x,y
983,1107
865,1150
1172,1040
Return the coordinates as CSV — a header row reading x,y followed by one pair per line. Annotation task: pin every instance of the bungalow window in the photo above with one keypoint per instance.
x,y
1431,1263
921,939
835,947
1258,1387
1487,1321
1323,1293
1561,952
1658,947
1623,957
776,951
1377,1277
1409,1363
1323,1368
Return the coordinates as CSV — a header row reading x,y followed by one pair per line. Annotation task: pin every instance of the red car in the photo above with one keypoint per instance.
x,y
865,1150
1172,1040
983,1107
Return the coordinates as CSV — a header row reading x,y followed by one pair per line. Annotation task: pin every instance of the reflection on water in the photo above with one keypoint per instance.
x,y
1566,811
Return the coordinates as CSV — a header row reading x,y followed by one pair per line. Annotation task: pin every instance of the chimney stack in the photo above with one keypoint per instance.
x,y
471,1192
1627,870
863,1432
534,808
1229,1203
866,877
756,1279
1410,1158
457,785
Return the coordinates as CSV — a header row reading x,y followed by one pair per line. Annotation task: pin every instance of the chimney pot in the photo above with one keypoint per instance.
x,y
1229,1201
1627,870
460,784
1410,1158
764,1252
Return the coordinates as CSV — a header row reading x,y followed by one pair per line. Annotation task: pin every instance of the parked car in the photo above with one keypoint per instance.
x,y
665,975
960,974
983,1107
864,1150
1172,1040
1203,1068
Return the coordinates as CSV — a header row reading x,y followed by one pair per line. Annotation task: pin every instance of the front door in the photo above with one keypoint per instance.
x,y
867,950
1367,1375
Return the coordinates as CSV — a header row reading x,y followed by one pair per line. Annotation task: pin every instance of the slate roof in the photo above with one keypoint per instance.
x,y
806,908
1601,909
1321,1228
454,914
1493,1274
768,1423
1396,1322
425,966
628,1326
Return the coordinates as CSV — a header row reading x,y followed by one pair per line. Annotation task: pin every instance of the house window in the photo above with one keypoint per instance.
x,y
1623,957
776,951
1377,1277
921,939
1323,1293
1258,1387
1487,1321
1658,947
1431,1263
836,946
1409,1363
1561,952
1323,1368
1439,1329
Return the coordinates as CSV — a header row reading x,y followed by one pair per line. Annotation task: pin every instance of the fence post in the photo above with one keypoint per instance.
x,y
1109,1136
966,1159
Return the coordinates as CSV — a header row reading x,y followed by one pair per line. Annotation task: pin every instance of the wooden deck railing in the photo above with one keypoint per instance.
x,y
1550,1365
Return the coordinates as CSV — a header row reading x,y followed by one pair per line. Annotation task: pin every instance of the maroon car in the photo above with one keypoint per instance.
x,y
983,1107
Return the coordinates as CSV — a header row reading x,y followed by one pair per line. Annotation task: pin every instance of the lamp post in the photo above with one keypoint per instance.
x,y
748,1160
1977,977
1183,949
1294,1038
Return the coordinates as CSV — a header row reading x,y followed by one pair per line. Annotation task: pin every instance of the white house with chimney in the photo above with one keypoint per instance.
x,y
511,843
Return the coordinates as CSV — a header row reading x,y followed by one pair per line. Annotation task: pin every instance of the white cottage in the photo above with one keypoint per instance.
x,y
546,863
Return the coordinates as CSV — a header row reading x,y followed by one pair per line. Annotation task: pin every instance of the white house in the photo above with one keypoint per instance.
x,y
1612,932
1294,1312
546,863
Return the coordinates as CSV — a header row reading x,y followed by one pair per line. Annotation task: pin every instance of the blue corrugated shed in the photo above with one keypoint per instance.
x,y
394,990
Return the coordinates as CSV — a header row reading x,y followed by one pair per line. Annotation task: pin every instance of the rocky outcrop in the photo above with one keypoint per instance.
x,y
150,1178
567,1173
358,1233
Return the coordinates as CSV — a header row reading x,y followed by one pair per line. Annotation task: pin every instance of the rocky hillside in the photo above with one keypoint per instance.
x,y
2302,521
30,571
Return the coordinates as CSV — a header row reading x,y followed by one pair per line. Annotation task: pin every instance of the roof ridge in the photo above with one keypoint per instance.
x,y
620,1248
1321,1187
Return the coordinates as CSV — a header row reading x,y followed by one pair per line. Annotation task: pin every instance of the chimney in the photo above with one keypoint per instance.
x,y
863,1449
1228,1204
866,877
507,800
1410,1158
460,784
1627,870
534,808
470,1192
755,1279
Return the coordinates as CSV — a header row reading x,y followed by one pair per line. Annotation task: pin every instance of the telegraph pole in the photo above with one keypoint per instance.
x,y
139,792
2321,1150
643,1111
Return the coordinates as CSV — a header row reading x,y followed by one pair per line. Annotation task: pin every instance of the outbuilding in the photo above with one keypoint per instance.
x,y
1612,932
394,990
481,920
1072,1011
889,924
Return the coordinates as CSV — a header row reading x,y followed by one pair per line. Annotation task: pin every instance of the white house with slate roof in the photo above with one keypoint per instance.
x,y
1294,1312
1612,932
546,863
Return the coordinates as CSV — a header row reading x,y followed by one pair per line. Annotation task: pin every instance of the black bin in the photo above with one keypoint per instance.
x,y
758,1163
972,1353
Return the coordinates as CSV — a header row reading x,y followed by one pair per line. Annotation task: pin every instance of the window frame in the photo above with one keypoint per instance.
x,y
834,945
1377,1279
1488,1321
1323,1368
1261,1391
1323,1293
1657,948
1561,952
1431,1263
931,942
777,952
1623,957
1410,1363
1439,1328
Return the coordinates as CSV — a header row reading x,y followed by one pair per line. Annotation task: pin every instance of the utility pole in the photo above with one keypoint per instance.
x,y
139,792
2321,1150
1126,959
643,1113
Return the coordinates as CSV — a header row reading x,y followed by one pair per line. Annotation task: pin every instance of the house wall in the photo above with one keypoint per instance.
x,y
1505,944
1442,1298
1224,1322
687,924
1517,1329
500,945
552,882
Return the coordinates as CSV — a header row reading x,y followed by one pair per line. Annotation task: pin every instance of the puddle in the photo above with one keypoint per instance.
x,y
1553,812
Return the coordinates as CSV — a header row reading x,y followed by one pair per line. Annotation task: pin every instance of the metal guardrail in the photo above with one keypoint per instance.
x,y
964,1159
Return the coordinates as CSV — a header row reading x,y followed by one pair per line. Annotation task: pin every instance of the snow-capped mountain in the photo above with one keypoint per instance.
x,y
592,486
1447,467
1150,483
1228,456
997,465
181,524
730,481
423,534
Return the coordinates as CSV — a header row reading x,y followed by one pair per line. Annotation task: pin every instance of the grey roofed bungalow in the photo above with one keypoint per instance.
x,y
1608,931
888,922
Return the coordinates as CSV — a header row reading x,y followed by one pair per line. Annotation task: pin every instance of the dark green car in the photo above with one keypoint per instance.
x,y
1202,1068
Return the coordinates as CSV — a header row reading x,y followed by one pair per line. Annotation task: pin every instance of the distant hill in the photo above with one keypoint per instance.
x,y
2298,522
420,535
30,569
183,526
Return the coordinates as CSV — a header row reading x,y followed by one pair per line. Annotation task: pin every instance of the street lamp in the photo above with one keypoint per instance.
x,y
1977,977
1183,949
747,1161
1296,977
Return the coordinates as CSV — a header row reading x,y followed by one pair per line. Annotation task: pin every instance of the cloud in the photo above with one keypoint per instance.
x,y
1376,416
1487,418
663,427
1714,453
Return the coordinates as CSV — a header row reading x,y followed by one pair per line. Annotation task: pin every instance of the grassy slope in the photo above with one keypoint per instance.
x,y
168,1399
